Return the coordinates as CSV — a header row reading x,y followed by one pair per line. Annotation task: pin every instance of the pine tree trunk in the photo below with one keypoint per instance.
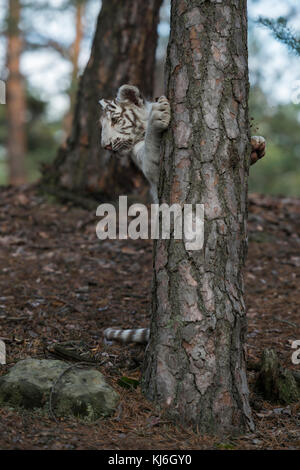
x,y
79,12
16,100
195,364
123,51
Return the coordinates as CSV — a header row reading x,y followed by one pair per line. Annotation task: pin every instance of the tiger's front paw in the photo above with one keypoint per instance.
x,y
160,114
258,148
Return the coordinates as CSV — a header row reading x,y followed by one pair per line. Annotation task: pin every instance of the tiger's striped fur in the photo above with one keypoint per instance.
x,y
139,335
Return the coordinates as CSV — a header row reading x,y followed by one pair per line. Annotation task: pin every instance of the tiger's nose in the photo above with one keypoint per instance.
x,y
108,147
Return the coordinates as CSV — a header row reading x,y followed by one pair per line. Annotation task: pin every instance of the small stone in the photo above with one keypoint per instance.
x,y
287,411
256,441
83,289
284,411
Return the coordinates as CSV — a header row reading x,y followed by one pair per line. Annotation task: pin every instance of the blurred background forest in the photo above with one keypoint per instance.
x,y
52,41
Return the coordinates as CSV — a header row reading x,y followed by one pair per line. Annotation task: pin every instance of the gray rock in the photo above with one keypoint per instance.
x,y
79,392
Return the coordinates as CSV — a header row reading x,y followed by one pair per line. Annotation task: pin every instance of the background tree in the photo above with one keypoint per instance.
x,y
69,52
28,140
195,365
16,98
74,57
123,51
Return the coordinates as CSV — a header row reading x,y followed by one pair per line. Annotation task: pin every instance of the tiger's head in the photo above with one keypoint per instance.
x,y
123,120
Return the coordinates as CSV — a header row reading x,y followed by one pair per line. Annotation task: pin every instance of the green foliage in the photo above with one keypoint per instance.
x,y
43,136
279,171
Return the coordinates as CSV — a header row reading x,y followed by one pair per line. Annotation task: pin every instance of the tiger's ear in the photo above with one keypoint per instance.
x,y
103,103
130,93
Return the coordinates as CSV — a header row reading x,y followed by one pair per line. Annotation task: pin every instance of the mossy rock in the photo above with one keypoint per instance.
x,y
287,387
82,393
275,383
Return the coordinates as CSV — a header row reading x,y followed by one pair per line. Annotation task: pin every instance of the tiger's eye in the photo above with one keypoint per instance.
x,y
114,120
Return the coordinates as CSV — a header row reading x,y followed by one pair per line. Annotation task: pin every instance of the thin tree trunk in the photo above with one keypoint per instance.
x,y
195,364
123,51
16,98
77,43
79,10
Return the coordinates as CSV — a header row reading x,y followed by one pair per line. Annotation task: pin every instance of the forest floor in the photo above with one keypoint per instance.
x,y
58,282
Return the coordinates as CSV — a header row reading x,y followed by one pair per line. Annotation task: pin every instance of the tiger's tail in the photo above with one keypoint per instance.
x,y
139,335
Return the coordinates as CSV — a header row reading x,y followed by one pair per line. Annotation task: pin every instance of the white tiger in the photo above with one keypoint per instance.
x,y
133,126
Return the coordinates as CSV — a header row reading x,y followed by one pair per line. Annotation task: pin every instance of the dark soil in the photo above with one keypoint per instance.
x,y
58,282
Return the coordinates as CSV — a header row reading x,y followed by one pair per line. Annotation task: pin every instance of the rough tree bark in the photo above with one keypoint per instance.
x,y
123,51
195,365
16,98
